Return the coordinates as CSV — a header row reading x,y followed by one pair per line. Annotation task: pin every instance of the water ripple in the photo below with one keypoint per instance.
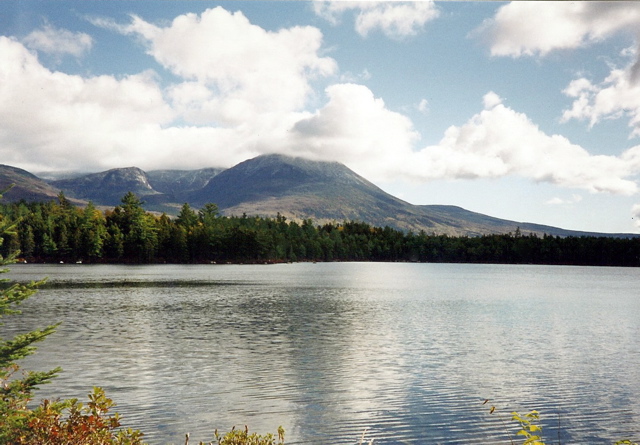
x,y
406,352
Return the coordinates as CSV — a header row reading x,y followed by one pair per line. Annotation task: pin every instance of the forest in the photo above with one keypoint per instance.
x,y
61,232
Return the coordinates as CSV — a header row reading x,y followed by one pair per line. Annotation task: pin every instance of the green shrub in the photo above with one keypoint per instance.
x,y
242,437
531,431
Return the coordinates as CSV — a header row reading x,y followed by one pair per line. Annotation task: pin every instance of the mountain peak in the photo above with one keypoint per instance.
x,y
274,176
109,186
303,168
129,176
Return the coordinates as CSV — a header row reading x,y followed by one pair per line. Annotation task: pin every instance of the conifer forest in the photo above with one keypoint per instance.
x,y
61,232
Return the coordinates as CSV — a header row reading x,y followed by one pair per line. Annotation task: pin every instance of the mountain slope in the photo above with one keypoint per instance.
x,y
298,188
178,181
328,191
27,186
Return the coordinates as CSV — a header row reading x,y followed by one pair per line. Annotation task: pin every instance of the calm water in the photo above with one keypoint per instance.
x,y
409,351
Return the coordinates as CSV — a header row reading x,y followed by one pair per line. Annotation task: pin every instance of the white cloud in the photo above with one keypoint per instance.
x,y
349,77
564,201
526,28
617,96
534,28
50,120
243,88
57,119
247,70
491,100
243,92
58,42
555,201
357,129
396,19
500,141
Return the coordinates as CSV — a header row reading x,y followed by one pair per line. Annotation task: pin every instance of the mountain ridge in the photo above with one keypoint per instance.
x,y
27,186
269,185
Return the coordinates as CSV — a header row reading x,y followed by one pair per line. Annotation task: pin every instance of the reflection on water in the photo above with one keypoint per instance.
x,y
327,350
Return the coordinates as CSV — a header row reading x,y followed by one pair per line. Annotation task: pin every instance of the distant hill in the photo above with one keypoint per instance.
x,y
296,188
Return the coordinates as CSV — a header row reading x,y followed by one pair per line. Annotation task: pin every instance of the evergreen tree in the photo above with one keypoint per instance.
x,y
139,231
207,214
16,391
92,233
187,217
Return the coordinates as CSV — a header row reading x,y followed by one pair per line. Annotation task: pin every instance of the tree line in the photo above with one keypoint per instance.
x,y
59,231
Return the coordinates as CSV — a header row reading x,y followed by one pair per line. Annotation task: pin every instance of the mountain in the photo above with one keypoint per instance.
x,y
296,188
329,191
160,190
107,188
26,186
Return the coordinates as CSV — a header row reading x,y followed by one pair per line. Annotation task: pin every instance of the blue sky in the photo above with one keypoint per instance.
x,y
524,111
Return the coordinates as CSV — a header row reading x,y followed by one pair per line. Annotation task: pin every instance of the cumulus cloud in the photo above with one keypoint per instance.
x,y
50,120
45,113
58,42
242,91
239,90
356,128
71,122
491,100
530,28
423,106
396,19
615,97
533,28
236,70
499,141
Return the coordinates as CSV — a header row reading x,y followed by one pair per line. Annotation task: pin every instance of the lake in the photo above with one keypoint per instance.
x,y
407,351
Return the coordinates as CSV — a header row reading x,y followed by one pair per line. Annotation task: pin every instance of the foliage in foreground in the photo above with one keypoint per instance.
x,y
16,389
530,430
70,422
52,423
242,437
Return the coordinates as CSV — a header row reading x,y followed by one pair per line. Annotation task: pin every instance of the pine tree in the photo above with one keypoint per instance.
x,y
17,390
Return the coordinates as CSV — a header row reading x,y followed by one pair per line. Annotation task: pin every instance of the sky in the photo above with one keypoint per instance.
x,y
528,111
